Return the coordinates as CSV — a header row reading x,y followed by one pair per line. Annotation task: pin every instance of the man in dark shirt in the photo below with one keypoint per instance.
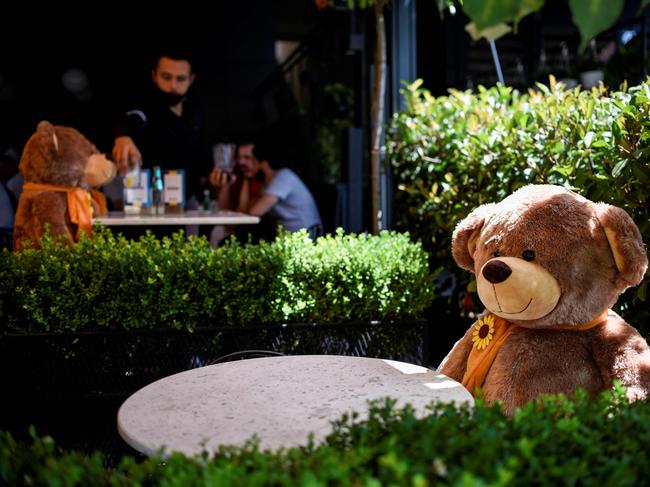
x,y
166,127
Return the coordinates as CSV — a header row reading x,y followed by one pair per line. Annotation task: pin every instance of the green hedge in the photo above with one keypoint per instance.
x,y
552,441
453,153
109,282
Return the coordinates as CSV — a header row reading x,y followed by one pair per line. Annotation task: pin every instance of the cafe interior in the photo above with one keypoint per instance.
x,y
285,66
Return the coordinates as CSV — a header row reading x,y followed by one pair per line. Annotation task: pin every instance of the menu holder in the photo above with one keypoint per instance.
x,y
174,194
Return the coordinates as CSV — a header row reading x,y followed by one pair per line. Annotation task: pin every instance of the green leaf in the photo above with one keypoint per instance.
x,y
563,170
594,16
488,13
619,167
590,108
490,33
472,286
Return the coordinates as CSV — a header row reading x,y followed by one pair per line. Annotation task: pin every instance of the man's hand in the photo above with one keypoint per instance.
x,y
125,154
219,178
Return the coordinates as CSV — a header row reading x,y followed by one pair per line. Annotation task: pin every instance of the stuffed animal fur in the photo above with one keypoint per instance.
x,y
59,166
549,264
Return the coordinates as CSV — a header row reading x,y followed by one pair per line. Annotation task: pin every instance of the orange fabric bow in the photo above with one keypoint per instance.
x,y
79,208
100,200
490,332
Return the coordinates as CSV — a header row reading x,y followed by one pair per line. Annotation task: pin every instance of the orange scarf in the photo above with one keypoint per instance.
x,y
80,209
100,200
490,332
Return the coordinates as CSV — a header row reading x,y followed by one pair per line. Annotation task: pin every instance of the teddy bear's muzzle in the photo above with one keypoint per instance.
x,y
99,170
516,289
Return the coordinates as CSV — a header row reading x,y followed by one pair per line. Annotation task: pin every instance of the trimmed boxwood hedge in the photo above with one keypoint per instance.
x,y
551,441
111,283
453,153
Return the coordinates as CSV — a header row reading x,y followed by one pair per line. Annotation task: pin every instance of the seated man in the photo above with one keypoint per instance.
x,y
283,196
229,193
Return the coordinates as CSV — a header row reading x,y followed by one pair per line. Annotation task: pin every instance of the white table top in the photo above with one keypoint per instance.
x,y
279,399
190,217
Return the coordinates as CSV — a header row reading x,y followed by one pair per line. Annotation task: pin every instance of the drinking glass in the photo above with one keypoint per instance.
x,y
224,157
132,177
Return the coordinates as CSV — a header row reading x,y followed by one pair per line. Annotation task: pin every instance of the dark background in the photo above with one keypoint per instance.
x,y
232,43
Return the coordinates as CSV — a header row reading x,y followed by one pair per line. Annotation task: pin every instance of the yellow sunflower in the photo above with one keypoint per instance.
x,y
483,332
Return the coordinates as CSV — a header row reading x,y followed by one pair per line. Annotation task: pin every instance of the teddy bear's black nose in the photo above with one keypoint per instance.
x,y
496,271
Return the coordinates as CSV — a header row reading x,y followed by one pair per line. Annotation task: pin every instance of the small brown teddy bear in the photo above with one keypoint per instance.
x,y
549,264
59,166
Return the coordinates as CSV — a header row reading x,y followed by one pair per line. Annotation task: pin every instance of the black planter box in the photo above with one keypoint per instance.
x,y
71,385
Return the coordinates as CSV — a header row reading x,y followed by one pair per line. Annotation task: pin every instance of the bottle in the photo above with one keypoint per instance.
x,y
543,69
565,70
157,188
207,201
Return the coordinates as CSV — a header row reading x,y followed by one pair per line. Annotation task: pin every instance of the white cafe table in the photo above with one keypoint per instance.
x,y
279,399
189,217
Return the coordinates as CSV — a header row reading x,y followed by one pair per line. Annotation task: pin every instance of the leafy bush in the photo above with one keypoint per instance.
x,y
552,441
453,153
109,282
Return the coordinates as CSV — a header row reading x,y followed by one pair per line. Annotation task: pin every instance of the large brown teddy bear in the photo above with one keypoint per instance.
x,y
60,167
549,264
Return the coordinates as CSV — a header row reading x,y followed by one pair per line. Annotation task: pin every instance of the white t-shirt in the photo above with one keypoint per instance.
x,y
296,207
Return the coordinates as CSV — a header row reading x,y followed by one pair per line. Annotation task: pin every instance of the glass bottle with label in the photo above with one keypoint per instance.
x,y
157,188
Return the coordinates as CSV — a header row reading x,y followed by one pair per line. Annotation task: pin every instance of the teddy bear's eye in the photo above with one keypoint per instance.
x,y
528,255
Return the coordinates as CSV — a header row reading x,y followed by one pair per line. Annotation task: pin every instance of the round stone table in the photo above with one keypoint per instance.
x,y
279,399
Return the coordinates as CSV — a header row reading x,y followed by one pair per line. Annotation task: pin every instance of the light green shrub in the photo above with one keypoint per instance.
x,y
453,153
111,283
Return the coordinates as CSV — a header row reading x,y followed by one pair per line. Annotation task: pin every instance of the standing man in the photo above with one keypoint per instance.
x,y
165,128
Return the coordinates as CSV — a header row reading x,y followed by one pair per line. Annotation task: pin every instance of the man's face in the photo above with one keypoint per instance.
x,y
246,162
172,76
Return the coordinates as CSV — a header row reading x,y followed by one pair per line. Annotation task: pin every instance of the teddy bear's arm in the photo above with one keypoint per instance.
x,y
622,353
455,363
51,208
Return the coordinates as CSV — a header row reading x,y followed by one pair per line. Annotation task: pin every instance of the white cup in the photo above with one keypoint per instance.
x,y
591,78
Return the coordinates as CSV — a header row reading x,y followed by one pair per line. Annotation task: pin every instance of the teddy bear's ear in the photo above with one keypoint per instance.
x,y
46,129
45,126
625,242
463,242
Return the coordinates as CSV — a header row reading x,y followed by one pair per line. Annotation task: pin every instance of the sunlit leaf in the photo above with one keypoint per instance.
x,y
490,33
593,17
488,13
619,167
